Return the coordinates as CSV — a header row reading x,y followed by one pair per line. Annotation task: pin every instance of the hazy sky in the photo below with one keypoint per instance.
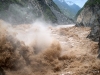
x,y
78,2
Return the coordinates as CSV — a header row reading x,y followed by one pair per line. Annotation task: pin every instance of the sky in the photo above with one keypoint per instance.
x,y
80,3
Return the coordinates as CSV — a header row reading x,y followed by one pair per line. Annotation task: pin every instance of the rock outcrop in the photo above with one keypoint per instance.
x,y
27,11
1,71
90,16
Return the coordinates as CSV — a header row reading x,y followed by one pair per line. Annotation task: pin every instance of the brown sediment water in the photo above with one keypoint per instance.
x,y
41,50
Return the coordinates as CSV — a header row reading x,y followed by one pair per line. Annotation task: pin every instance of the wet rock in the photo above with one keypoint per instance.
x,y
99,48
1,71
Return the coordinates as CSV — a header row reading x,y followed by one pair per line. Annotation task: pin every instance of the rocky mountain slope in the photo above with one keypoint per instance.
x,y
27,11
69,8
90,16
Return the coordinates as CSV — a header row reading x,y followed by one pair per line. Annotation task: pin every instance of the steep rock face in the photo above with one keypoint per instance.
x,y
90,16
27,11
61,18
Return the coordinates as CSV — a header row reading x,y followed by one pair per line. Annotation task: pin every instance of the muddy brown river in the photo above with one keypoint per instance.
x,y
41,49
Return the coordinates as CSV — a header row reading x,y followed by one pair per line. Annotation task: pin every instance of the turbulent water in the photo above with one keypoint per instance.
x,y
41,49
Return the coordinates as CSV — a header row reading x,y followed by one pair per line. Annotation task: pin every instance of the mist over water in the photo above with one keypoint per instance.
x,y
27,47
40,48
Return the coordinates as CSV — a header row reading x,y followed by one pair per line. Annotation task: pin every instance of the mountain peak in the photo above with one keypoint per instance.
x,y
69,3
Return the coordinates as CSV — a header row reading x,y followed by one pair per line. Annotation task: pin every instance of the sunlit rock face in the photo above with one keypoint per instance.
x,y
90,16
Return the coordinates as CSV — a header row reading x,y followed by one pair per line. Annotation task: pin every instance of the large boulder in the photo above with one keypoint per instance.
x,y
1,71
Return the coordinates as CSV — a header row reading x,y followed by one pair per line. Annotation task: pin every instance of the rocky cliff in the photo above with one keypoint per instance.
x,y
27,11
90,16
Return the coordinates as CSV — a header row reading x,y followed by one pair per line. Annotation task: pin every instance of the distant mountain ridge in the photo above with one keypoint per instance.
x,y
69,3
69,8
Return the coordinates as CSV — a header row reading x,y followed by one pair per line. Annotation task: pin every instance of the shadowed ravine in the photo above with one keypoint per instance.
x,y
41,49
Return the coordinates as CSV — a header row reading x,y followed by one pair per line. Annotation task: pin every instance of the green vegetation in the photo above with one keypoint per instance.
x,y
43,7
89,3
49,15
92,2
69,11
78,13
56,7
5,3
